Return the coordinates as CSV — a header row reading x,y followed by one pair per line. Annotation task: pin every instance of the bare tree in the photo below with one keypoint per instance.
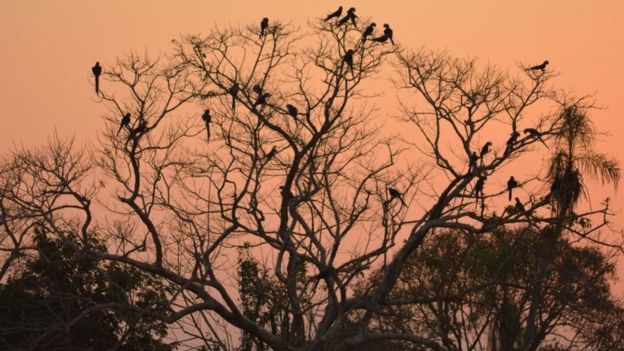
x,y
320,186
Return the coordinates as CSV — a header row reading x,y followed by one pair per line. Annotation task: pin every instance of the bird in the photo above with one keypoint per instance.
x,y
535,134
520,207
473,161
125,121
381,39
485,149
257,89
271,153
511,184
97,71
335,14
264,24
478,188
511,142
234,89
540,67
207,118
395,194
348,59
388,32
368,31
350,16
262,99
292,110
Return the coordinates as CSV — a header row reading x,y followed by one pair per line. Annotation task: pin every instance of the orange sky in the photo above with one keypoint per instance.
x,y
48,48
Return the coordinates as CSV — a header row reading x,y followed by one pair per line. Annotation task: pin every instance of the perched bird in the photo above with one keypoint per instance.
x,y
257,89
368,31
264,24
395,194
485,149
540,67
388,32
348,59
473,161
535,134
125,122
350,16
271,153
511,184
520,207
262,99
207,118
381,39
234,89
511,142
292,110
97,71
335,14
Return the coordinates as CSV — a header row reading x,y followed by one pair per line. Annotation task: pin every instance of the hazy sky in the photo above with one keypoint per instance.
x,y
48,48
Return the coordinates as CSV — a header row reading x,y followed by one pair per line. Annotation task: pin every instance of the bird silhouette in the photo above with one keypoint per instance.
x,y
511,184
97,71
381,39
207,118
125,122
511,142
350,16
257,89
472,163
262,99
485,149
540,67
292,110
478,188
535,134
388,32
348,59
264,24
271,153
234,89
395,194
520,207
335,14
368,31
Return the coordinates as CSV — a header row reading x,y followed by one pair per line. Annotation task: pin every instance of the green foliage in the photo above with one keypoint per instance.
x,y
64,300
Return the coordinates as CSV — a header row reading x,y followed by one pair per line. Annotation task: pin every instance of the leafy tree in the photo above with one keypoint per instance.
x,y
474,293
62,299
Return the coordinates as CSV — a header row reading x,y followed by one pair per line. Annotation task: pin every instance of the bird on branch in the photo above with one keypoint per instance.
x,y
535,134
261,100
540,67
513,138
125,122
511,184
485,150
234,89
97,71
335,14
292,110
395,194
348,59
264,24
350,16
368,31
207,118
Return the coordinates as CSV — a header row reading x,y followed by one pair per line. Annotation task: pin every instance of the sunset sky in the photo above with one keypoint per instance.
x,y
48,48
